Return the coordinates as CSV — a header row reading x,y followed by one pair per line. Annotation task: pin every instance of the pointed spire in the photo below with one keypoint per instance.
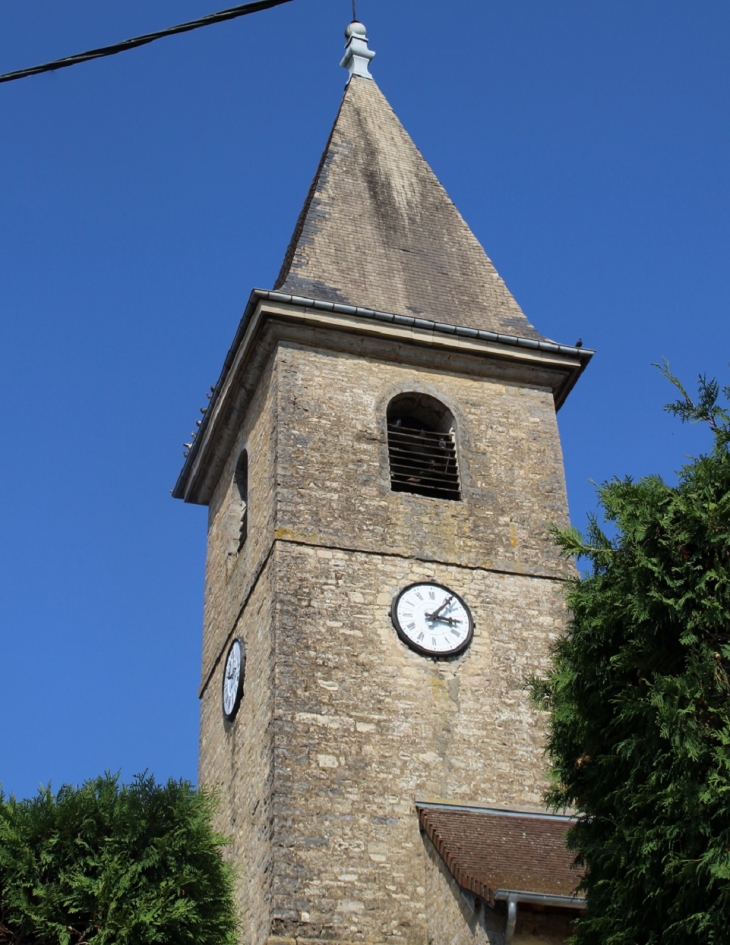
x,y
357,53
379,231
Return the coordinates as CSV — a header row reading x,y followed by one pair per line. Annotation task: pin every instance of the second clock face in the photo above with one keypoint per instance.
x,y
233,678
432,619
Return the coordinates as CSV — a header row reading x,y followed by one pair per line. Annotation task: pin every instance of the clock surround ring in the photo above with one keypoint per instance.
x,y
408,632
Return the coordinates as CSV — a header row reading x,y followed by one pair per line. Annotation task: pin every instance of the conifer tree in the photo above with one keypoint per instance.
x,y
113,864
639,700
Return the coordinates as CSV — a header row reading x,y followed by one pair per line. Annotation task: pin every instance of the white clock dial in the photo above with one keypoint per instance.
x,y
432,619
233,679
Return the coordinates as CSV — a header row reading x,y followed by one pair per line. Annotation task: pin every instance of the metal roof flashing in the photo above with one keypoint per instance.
x,y
568,362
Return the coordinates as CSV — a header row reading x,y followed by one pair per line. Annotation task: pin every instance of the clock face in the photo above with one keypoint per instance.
x,y
432,620
233,678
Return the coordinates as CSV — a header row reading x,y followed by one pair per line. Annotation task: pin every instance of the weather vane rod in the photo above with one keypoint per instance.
x,y
354,9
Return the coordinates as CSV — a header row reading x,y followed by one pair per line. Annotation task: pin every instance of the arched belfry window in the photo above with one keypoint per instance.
x,y
422,447
241,497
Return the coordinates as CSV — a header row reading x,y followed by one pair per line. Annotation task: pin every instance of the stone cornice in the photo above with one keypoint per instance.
x,y
468,350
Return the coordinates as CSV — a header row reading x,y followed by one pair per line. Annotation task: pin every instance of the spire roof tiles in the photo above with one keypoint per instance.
x,y
379,231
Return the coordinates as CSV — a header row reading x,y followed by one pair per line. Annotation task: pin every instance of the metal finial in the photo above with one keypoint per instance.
x,y
354,10
357,54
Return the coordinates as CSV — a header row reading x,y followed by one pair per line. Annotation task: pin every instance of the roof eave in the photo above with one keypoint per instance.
x,y
576,359
471,876
540,899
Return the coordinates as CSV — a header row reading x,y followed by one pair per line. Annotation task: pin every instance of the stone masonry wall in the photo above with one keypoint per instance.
x,y
230,577
341,726
334,481
452,916
365,726
237,760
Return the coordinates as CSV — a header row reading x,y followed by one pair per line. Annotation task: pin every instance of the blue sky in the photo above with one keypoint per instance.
x,y
143,196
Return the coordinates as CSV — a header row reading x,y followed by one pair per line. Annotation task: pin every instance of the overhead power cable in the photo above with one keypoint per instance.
x,y
221,17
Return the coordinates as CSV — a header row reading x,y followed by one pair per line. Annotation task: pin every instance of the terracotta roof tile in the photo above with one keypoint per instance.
x,y
379,231
491,850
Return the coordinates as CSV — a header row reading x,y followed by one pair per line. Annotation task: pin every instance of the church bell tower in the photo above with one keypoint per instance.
x,y
380,459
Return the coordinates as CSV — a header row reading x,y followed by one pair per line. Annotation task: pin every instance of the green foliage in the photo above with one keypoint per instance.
x,y
111,864
638,695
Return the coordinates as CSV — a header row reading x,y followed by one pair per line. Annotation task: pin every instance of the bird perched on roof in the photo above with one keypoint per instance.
x,y
579,343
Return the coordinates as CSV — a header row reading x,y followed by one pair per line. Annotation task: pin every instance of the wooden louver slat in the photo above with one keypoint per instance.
x,y
423,462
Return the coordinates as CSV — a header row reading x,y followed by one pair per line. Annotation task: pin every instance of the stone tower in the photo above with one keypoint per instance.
x,y
380,458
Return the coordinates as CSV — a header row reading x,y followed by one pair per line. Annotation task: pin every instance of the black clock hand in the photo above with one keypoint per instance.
x,y
452,621
438,610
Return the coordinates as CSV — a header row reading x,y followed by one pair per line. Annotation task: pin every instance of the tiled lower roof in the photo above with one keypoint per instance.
x,y
491,851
